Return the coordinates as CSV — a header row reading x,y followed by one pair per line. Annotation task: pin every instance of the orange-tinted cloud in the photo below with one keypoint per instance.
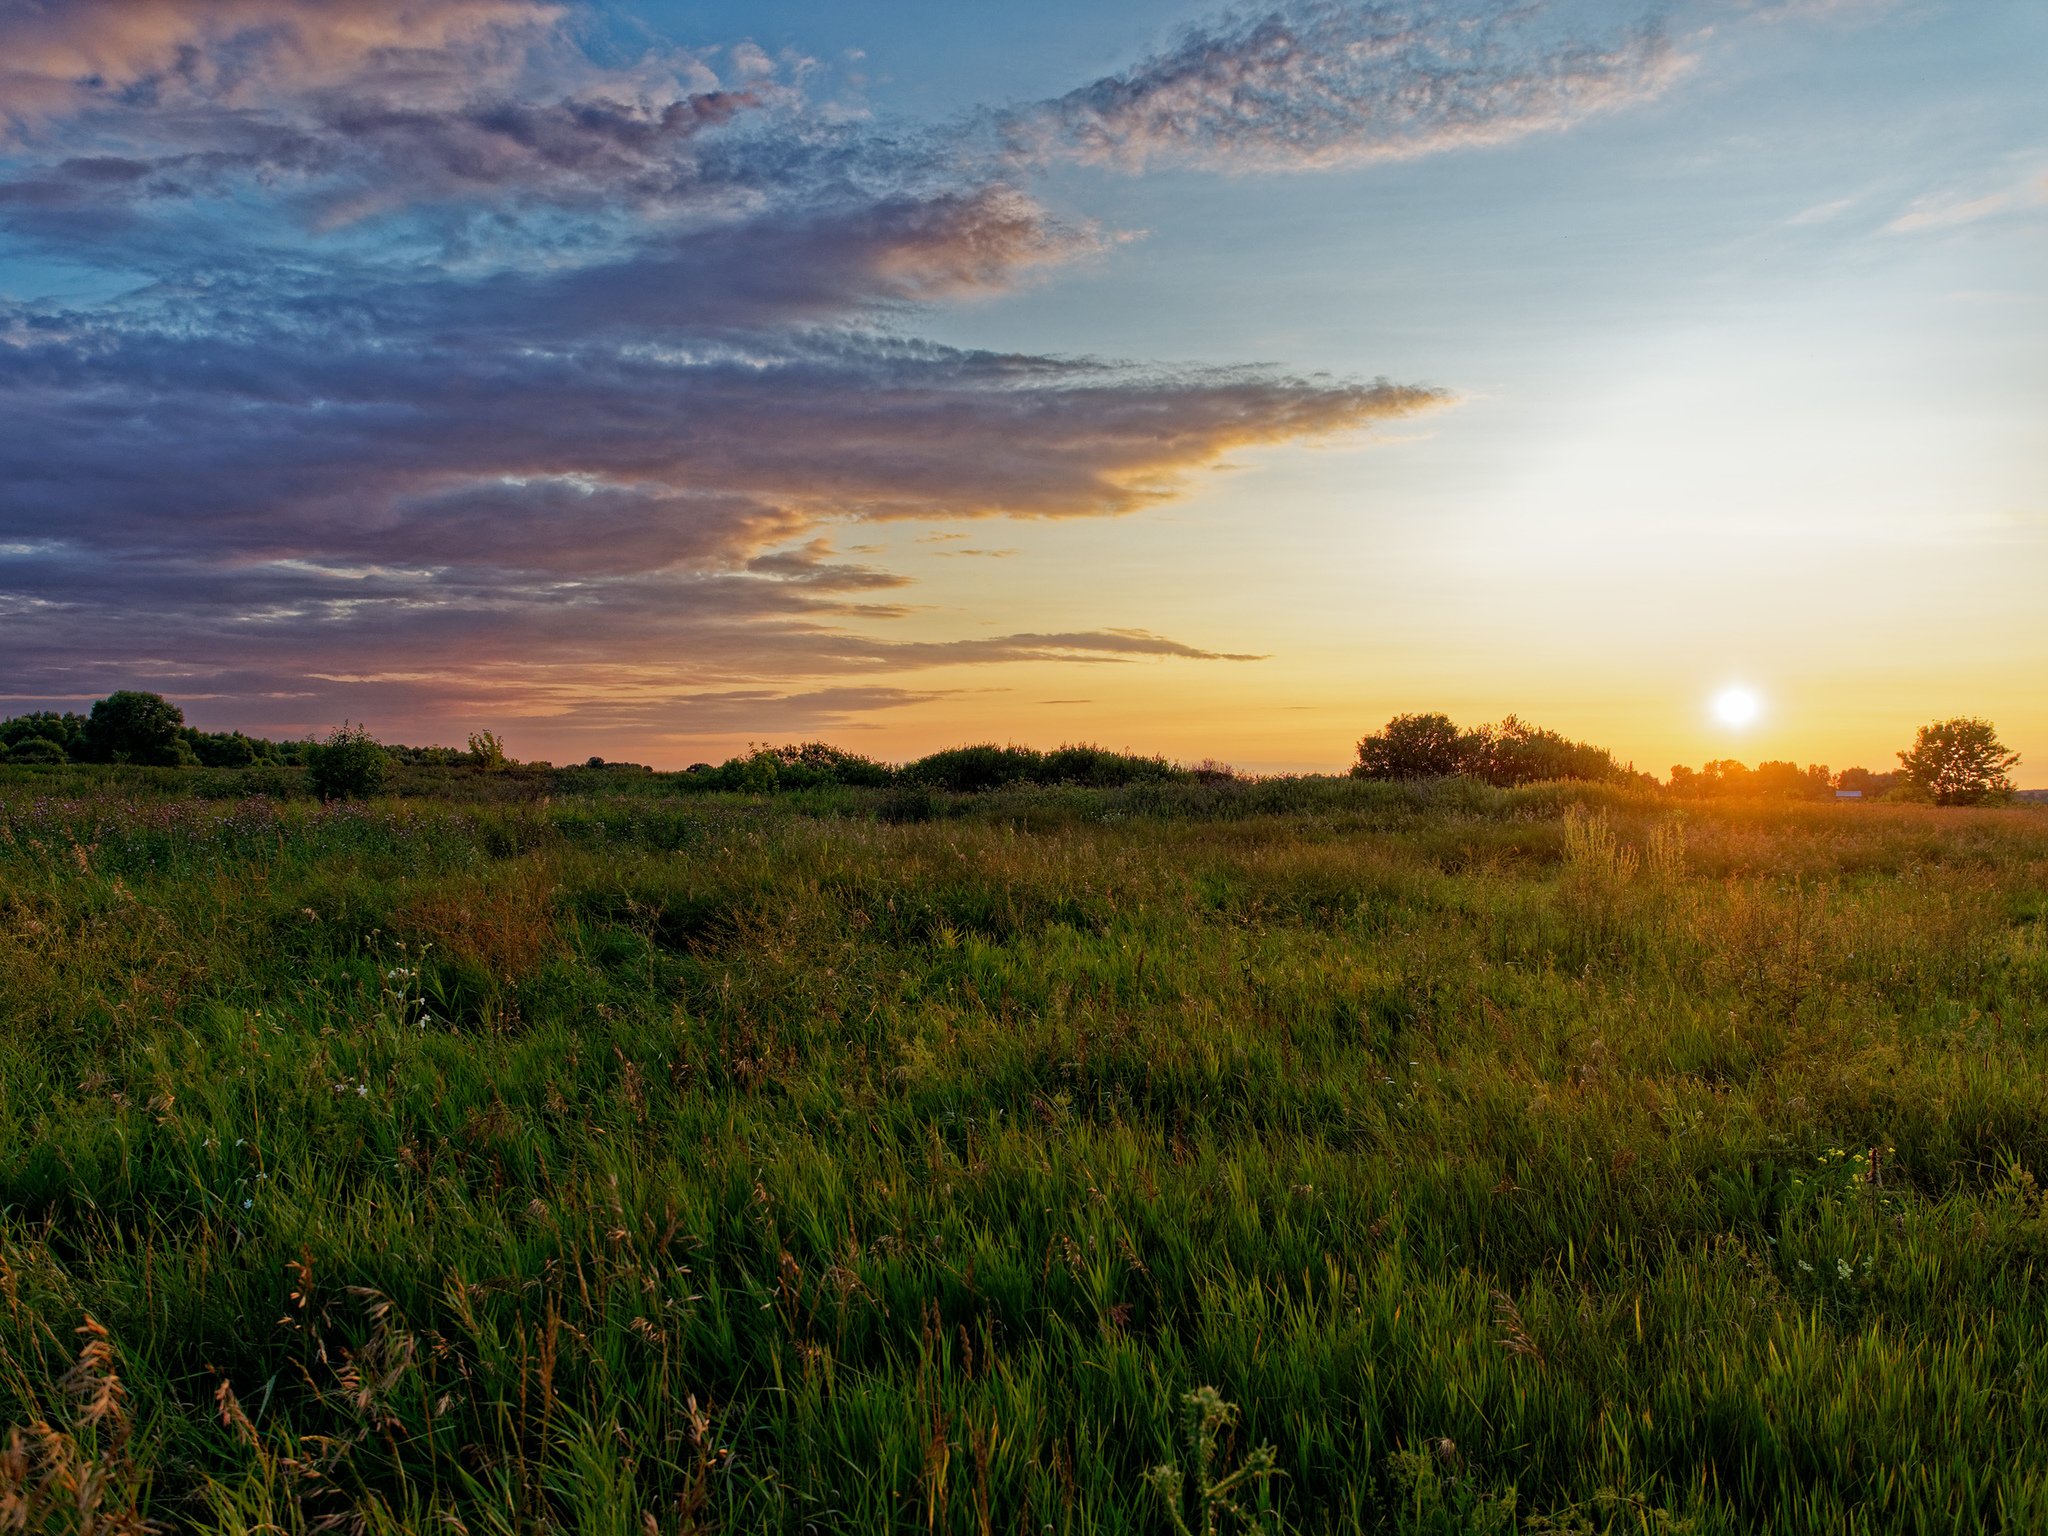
x,y
61,56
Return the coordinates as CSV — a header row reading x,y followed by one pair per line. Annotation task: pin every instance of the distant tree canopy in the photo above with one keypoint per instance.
x,y
1412,747
966,769
1951,762
64,732
31,750
136,727
962,770
1866,782
1727,778
1959,762
145,728
1431,746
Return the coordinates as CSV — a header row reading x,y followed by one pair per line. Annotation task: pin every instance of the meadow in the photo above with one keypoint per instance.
x,y
519,1155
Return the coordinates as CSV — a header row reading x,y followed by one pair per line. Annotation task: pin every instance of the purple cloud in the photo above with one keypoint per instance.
x,y
466,378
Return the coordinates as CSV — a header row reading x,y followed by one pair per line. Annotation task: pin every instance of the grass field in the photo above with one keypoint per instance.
x,y
1532,1160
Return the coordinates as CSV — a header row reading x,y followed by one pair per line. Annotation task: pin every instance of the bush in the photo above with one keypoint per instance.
x,y
33,750
1103,769
1515,752
348,765
811,765
970,770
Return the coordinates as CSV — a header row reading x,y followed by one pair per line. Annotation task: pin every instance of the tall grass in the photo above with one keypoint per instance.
x,y
1524,1160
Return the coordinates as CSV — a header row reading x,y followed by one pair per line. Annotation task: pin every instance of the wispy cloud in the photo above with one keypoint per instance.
x,y
1950,209
1321,83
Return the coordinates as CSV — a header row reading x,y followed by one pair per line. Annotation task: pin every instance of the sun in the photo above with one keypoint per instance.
x,y
1737,706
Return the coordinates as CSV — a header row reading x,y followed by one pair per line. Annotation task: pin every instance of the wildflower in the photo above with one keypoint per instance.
x,y
1843,1271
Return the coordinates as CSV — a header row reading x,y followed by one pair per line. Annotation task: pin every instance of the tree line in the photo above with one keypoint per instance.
x,y
1951,762
148,730
1959,761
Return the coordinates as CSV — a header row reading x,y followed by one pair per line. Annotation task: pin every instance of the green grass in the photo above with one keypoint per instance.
x,y
1533,1160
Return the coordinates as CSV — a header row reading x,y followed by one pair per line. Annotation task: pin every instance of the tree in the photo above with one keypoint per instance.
x,y
222,749
1515,752
486,751
66,732
348,765
1959,762
135,727
1412,747
1865,782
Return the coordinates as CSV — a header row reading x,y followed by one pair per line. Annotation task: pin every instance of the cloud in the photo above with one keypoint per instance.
x,y
1320,83
1952,210
64,56
464,377
336,111
358,505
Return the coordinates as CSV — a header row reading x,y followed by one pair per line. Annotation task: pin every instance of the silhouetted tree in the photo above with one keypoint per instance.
x,y
1725,778
1959,762
1515,752
136,727
222,749
1865,782
1412,747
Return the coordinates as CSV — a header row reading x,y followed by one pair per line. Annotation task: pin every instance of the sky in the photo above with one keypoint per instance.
x,y
645,379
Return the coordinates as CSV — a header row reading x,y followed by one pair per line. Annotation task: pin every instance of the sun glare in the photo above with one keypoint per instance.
x,y
1737,706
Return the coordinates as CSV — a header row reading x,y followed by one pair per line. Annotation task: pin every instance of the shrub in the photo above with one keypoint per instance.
x,y
1515,752
810,765
33,750
969,770
1101,768
486,751
348,765
965,770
